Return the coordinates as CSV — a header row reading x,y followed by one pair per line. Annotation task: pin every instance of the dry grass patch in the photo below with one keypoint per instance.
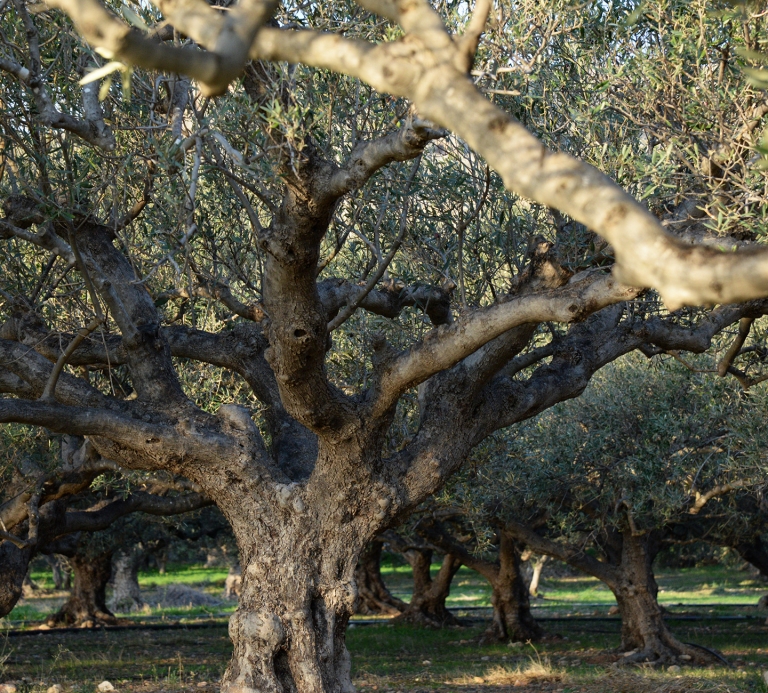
x,y
535,671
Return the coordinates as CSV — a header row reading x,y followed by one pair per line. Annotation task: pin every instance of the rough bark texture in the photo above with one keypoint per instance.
x,y
427,605
643,630
373,597
86,606
512,619
126,593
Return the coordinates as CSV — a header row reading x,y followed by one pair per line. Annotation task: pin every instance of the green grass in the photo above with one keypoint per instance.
x,y
385,657
392,658
690,590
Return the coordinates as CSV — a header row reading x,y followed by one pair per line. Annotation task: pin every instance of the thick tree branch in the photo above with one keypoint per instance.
x,y
572,555
95,520
446,346
369,156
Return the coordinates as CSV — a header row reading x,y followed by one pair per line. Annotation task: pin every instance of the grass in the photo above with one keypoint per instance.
x,y
387,658
576,658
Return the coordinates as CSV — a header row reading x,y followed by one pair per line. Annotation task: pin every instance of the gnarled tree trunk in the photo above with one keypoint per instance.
x,y
126,593
512,617
643,630
427,605
627,571
297,595
373,597
86,606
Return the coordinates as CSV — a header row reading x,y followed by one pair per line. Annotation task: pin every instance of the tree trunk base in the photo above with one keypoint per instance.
x,y
86,607
659,654
518,632
427,619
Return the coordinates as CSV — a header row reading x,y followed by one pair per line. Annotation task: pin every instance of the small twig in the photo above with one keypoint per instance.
x,y
744,326
50,386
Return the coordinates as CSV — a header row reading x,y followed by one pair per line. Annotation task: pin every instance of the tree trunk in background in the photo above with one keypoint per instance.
x,y
643,630
126,593
86,606
427,605
62,575
512,617
538,566
373,597
754,552
233,585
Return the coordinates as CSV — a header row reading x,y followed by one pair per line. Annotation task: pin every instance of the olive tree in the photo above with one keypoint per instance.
x,y
603,481
316,266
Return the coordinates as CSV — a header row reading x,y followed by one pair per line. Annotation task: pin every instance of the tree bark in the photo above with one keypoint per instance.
x,y
289,628
427,605
14,563
126,593
512,617
643,630
86,606
373,595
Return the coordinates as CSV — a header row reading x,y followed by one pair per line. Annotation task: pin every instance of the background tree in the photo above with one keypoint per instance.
x,y
599,482
226,294
511,619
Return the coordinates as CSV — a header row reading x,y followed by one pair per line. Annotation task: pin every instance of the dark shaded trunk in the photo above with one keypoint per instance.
x,y
126,593
754,552
86,606
427,605
512,619
644,633
14,563
373,597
